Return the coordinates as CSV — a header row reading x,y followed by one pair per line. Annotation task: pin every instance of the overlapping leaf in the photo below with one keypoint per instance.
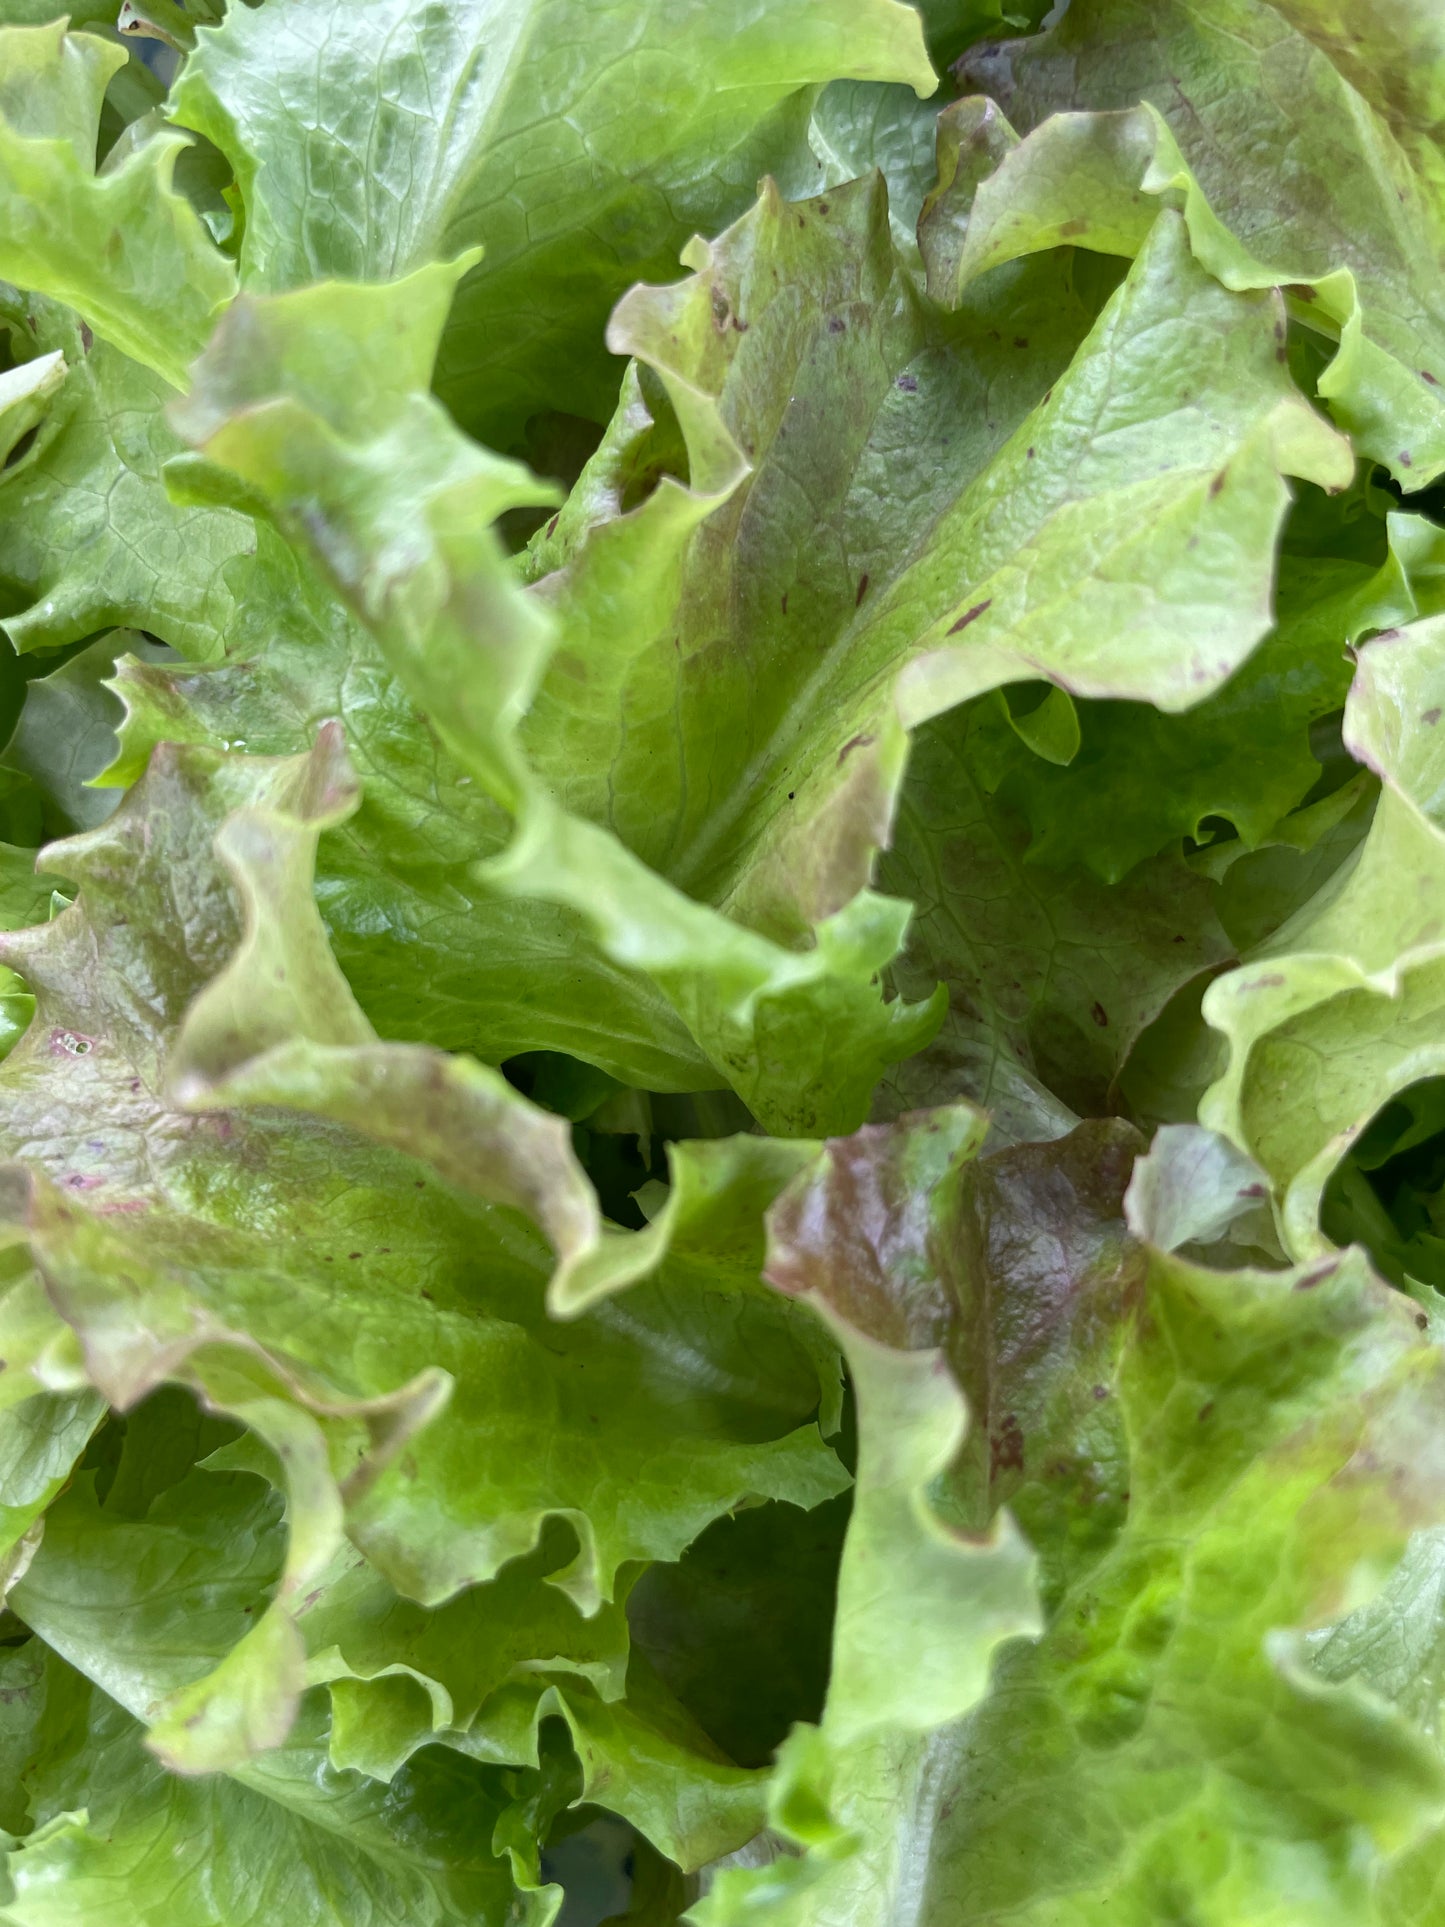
x,y
372,1512
122,247
1207,1462
579,145
1286,174
1334,1014
172,1235
302,421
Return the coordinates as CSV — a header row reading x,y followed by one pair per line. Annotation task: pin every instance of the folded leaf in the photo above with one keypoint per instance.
x,y
1332,1016
437,129
1286,176
801,1035
1262,1444
122,247
415,1288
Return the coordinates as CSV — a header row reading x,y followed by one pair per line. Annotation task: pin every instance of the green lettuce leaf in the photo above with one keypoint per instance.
x,y
121,246
1286,176
369,144
169,1268
145,1591
91,539
1331,1016
801,1036
840,607
1052,975
973,642
114,1838
1210,1464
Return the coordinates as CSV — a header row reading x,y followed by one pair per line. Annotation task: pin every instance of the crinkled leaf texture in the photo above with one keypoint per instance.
x,y
1332,1016
311,399
580,143
694,1147
1209,1464
326,1236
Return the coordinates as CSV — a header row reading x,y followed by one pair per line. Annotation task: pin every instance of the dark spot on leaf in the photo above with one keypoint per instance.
x,y
971,615
1101,1391
862,590
1217,483
1021,341
1433,380
785,602
791,795
1031,454
853,742
1048,397
908,383
87,339
1315,1277
836,325
1422,1321
420,1183
353,1254
1405,461
1006,1447
552,526
1270,981
739,325
1079,225
822,207
1205,1410
1430,717
1100,1016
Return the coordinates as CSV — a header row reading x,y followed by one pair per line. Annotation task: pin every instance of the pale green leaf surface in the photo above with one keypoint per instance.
x,y
1287,176
123,247
1336,1011
90,538
25,396
117,1840
169,1268
285,388
145,1605
1100,522
370,141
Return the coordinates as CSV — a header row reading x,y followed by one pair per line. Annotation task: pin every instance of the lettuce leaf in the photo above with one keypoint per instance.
x,y
722,1130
